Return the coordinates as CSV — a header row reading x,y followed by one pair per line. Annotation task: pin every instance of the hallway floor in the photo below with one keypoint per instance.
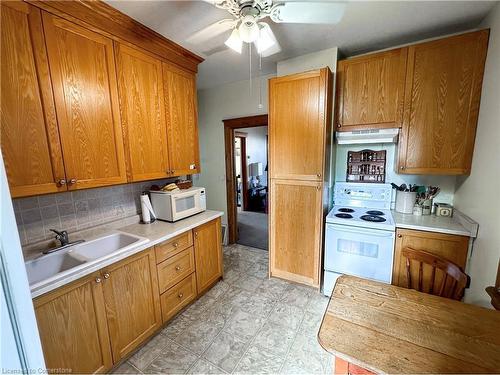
x,y
252,229
246,324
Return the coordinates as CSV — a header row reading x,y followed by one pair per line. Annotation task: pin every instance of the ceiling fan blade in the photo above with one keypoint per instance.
x,y
326,12
212,31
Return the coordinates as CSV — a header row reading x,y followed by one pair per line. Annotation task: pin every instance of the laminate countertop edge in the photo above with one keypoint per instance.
x,y
459,224
155,233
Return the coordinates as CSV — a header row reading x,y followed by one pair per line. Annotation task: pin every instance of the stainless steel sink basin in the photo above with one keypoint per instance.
x,y
56,266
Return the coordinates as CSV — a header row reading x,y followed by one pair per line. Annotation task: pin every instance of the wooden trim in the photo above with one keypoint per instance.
x,y
244,170
229,131
104,19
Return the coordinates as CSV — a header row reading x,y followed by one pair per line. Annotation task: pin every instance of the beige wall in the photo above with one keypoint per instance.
x,y
214,105
478,194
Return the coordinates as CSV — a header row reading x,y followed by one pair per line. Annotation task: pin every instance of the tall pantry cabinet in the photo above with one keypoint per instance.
x,y
299,135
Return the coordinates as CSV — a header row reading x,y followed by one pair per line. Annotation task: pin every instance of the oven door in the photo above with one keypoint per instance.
x,y
361,252
185,204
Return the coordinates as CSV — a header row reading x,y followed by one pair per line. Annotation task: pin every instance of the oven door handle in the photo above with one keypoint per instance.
x,y
360,230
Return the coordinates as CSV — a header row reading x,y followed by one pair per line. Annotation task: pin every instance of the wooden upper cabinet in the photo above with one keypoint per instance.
x,y
132,302
296,230
208,254
83,72
443,90
182,120
73,329
142,110
298,123
451,247
28,133
370,91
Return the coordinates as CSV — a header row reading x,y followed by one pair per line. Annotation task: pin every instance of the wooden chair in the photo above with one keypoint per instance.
x,y
440,277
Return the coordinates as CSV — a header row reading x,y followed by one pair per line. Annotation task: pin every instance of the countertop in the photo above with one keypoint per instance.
x,y
155,233
391,330
458,224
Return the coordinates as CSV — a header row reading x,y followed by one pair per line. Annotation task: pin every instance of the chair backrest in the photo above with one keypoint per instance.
x,y
432,274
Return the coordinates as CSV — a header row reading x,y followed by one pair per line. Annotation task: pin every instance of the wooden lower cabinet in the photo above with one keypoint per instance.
x,y
73,327
451,247
208,254
132,302
296,230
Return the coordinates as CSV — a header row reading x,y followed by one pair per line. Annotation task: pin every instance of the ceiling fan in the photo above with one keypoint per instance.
x,y
247,22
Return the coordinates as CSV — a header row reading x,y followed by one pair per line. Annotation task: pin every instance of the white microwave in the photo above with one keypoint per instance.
x,y
176,205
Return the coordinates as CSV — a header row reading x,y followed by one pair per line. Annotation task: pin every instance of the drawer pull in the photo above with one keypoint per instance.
x,y
97,279
177,268
106,275
176,244
180,295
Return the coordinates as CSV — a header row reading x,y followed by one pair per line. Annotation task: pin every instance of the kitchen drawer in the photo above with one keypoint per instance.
x,y
173,246
177,297
175,269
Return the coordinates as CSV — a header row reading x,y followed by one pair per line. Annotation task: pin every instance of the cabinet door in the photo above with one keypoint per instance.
x,y
208,254
182,120
28,133
82,67
295,230
142,113
443,90
72,326
371,91
132,302
451,247
299,116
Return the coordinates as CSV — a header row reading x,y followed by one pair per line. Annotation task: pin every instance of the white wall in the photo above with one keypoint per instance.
x,y
478,194
214,105
256,149
446,183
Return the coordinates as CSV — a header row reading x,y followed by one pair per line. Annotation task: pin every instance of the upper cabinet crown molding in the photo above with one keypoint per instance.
x,y
109,21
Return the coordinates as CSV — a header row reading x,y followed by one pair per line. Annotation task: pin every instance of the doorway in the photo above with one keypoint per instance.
x,y
246,148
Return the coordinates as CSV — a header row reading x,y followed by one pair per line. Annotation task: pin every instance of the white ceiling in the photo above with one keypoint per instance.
x,y
366,26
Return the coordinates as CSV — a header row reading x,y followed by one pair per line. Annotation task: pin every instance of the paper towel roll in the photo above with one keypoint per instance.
x,y
147,209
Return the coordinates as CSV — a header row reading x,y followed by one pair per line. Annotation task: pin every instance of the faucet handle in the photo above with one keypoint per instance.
x,y
61,236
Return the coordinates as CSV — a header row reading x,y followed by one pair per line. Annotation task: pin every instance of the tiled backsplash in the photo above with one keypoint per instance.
x,y
76,210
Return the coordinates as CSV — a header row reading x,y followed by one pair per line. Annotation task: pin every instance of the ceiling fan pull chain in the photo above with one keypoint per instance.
x,y
260,82
250,65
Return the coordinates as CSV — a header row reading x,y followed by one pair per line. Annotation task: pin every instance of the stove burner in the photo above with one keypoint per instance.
x,y
346,210
344,216
373,218
375,212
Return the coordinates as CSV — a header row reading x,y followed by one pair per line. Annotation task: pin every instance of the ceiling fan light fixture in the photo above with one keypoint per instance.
x,y
234,41
266,38
249,30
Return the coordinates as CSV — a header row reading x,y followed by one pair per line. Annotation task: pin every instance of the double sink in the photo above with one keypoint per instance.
x,y
65,262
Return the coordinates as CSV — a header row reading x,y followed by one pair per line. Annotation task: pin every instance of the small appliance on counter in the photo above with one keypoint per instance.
x,y
178,204
444,209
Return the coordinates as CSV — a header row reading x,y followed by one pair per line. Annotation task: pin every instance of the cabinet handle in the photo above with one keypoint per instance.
x,y
196,234
177,268
72,181
402,167
339,125
106,275
61,182
318,187
97,279
400,235
180,295
176,244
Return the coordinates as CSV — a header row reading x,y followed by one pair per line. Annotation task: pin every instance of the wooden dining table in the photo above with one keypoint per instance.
x,y
371,327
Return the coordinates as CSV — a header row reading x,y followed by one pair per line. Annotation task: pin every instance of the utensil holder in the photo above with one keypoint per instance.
x,y
427,207
405,200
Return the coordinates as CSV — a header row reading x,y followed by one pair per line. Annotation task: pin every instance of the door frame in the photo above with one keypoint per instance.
x,y
229,132
244,167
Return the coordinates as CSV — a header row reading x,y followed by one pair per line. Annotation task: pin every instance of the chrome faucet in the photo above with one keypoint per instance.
x,y
63,238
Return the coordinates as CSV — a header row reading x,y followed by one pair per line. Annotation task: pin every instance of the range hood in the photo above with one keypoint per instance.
x,y
367,136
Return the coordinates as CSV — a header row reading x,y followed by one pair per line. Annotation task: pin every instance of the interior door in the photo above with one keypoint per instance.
x,y
295,230
298,123
82,67
73,330
443,90
182,120
142,113
28,133
208,254
132,302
